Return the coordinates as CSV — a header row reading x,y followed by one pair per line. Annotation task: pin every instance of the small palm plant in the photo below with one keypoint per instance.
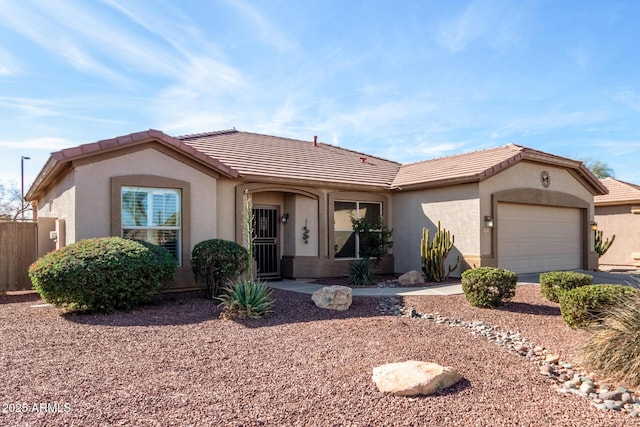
x,y
245,298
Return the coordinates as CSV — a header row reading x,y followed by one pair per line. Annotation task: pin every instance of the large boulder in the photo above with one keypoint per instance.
x,y
413,277
333,297
413,377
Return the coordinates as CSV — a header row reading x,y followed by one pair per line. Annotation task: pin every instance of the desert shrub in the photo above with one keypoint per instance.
x,y
614,346
585,305
216,262
361,272
245,298
488,287
102,275
555,282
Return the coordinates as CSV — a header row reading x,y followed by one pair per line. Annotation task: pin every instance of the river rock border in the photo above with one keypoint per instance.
x,y
570,378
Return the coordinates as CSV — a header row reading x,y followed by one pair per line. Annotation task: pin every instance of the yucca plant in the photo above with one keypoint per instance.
x,y
245,298
361,272
614,346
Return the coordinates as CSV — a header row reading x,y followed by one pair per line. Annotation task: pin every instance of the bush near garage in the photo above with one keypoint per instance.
x,y
614,346
587,305
217,262
488,287
553,283
102,275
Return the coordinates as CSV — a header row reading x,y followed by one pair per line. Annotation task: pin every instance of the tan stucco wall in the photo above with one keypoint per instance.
x,y
306,211
456,207
226,215
59,202
620,221
93,197
527,175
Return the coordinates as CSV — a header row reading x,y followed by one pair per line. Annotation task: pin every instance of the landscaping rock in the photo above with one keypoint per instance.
x,y
333,297
552,358
413,277
413,377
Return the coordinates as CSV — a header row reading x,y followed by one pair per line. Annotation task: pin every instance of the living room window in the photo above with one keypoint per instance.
x,y
346,242
152,215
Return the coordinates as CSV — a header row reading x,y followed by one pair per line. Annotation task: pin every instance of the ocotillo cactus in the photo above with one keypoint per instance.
x,y
600,246
433,254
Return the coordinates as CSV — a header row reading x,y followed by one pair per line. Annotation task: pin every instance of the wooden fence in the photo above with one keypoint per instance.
x,y
18,249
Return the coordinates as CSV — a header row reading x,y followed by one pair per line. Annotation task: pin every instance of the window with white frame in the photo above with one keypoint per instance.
x,y
152,215
345,240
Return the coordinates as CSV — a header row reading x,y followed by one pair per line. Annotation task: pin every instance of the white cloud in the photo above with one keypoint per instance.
x,y
43,143
8,63
629,98
545,122
269,33
496,23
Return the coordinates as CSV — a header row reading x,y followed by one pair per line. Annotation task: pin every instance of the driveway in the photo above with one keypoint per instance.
x,y
599,277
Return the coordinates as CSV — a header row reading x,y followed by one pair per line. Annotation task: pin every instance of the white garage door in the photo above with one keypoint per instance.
x,y
534,238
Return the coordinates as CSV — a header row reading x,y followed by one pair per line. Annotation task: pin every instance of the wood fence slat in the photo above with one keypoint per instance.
x,y
18,249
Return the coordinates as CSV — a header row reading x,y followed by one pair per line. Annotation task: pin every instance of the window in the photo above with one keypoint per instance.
x,y
152,215
346,244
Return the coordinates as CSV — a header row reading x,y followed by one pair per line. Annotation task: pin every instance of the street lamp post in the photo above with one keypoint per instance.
x,y
22,159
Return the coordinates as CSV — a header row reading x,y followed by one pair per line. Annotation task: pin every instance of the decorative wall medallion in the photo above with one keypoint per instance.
x,y
545,179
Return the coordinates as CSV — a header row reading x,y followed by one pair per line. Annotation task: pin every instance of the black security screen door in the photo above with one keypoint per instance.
x,y
265,242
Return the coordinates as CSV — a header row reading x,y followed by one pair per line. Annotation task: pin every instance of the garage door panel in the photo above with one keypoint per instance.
x,y
533,238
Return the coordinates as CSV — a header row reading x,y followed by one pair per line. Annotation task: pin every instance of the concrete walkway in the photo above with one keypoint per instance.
x,y
305,287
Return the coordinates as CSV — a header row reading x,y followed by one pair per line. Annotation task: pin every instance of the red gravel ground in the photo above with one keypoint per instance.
x,y
176,364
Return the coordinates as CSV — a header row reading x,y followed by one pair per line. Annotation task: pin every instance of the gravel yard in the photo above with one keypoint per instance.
x,y
176,363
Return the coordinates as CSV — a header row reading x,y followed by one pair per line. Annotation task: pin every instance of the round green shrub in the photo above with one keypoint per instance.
x,y
586,305
102,275
488,287
555,282
217,262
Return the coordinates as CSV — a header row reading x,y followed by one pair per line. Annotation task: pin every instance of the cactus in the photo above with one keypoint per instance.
x,y
602,247
434,253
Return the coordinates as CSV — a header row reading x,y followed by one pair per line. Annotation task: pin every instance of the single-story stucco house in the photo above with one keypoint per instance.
x,y
510,206
619,213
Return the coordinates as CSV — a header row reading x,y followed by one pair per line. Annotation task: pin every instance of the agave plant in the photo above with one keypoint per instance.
x,y
245,298
361,272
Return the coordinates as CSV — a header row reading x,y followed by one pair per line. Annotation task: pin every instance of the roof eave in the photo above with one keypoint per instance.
x,y
437,183
58,160
315,183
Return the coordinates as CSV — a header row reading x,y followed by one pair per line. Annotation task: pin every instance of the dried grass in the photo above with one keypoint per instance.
x,y
614,346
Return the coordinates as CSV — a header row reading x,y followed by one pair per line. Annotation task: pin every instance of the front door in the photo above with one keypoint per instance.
x,y
265,241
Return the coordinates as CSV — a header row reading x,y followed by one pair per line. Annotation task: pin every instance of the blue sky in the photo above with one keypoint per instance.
x,y
406,80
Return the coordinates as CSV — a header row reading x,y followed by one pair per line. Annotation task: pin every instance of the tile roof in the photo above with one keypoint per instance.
x,y
59,160
620,192
269,158
479,165
283,158
467,167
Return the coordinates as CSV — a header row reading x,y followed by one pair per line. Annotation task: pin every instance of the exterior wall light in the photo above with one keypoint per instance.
x,y
488,221
594,225
284,218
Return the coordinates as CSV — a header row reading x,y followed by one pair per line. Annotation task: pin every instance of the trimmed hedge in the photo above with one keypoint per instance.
x,y
217,262
586,305
488,287
102,275
553,283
